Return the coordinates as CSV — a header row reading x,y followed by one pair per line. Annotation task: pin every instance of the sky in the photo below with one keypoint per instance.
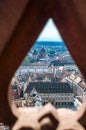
x,y
49,32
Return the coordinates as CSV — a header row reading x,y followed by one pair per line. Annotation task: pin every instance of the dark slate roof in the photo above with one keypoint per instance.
x,y
14,86
42,50
55,79
49,87
60,63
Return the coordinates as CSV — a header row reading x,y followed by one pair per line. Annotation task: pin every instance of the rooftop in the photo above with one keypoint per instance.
x,y
49,87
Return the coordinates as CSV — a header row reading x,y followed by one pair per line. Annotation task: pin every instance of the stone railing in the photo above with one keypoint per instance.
x,y
49,118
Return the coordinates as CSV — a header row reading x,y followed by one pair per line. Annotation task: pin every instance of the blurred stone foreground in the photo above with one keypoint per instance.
x,y
49,118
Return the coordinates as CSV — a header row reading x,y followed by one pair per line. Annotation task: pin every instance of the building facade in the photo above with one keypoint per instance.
x,y
58,93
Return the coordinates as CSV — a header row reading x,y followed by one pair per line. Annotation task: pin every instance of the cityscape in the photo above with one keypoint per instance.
x,y
48,74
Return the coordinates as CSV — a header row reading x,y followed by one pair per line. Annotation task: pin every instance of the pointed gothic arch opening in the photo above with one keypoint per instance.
x,y
49,61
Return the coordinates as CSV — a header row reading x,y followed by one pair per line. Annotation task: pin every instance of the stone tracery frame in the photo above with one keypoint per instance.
x,y
26,26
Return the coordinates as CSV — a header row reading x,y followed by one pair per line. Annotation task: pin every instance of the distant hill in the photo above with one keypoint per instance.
x,y
49,43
